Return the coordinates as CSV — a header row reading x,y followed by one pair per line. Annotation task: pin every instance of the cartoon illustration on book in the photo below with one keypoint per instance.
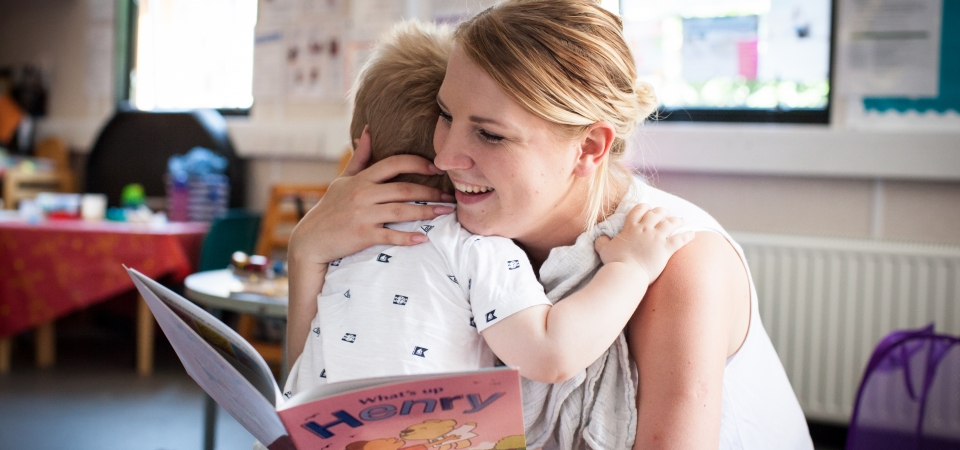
x,y
441,434
438,434
515,442
382,444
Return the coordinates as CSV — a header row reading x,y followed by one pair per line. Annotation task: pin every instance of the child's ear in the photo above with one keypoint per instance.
x,y
594,147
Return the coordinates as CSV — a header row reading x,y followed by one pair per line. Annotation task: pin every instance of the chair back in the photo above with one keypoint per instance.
x,y
134,147
910,394
286,206
237,231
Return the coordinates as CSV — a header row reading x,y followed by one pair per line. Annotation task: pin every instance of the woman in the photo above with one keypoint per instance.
x,y
537,103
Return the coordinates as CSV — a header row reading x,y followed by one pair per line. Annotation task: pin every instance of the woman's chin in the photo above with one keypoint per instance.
x,y
472,221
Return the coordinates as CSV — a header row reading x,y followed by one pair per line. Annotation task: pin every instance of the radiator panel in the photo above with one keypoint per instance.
x,y
827,302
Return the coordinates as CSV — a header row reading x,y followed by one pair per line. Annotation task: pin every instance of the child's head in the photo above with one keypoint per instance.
x,y
396,94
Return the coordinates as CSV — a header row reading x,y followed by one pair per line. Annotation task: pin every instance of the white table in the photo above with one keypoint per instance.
x,y
217,291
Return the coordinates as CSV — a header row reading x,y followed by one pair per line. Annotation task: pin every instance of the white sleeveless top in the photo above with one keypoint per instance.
x,y
760,409
596,409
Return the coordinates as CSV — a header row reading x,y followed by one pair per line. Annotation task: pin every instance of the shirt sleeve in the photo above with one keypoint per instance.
x,y
500,280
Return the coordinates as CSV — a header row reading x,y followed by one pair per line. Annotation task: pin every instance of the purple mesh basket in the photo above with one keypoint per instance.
x,y
909,398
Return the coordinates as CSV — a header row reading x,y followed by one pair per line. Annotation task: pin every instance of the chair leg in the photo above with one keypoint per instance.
x,y
209,423
145,332
6,351
46,343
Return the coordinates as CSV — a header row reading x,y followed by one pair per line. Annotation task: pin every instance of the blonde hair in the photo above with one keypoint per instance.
x,y
396,94
567,62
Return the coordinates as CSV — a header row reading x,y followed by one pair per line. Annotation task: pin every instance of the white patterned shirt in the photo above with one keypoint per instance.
x,y
392,310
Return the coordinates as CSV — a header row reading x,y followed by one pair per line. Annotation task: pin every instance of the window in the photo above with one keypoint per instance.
x,y
734,60
193,54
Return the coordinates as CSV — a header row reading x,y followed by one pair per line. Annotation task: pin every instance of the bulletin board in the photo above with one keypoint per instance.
x,y
948,98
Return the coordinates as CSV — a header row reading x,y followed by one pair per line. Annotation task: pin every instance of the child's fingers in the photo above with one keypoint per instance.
x,y
637,212
601,241
669,225
653,217
678,240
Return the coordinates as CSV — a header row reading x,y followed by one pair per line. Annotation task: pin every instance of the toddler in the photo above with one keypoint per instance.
x,y
391,310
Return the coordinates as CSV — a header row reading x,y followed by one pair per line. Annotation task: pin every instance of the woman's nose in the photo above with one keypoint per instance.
x,y
450,154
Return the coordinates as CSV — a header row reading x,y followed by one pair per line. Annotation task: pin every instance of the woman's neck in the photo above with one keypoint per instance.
x,y
564,234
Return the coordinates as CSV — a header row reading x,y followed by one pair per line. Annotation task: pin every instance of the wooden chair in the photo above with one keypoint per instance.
x,y
56,150
19,184
288,203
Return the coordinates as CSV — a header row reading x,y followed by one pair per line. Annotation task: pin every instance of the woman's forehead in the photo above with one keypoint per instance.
x,y
467,90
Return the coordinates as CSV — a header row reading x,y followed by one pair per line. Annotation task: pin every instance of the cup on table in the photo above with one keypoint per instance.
x,y
93,207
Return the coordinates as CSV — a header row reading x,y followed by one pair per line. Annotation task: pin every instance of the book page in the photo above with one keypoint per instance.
x,y
216,358
475,410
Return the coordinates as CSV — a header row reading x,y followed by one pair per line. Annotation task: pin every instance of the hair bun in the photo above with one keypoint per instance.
x,y
646,97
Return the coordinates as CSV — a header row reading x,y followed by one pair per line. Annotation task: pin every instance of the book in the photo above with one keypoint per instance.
x,y
480,409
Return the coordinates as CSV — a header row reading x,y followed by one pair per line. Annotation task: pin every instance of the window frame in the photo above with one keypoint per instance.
x,y
756,115
128,12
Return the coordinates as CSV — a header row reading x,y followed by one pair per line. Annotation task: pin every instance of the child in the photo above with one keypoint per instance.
x,y
425,308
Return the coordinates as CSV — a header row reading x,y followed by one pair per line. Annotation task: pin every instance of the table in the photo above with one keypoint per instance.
x,y
217,291
54,268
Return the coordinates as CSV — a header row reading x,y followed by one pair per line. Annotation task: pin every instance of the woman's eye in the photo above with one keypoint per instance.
x,y
489,137
446,117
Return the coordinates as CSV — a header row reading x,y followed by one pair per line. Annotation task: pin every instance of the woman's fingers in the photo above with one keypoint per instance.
x,y
395,165
361,154
405,192
394,237
403,212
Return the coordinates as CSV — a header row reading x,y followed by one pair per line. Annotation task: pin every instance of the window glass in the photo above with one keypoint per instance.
x,y
194,54
732,54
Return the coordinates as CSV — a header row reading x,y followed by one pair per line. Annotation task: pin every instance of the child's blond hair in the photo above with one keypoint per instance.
x,y
396,94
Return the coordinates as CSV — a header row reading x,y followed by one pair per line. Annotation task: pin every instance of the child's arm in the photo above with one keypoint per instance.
x,y
551,344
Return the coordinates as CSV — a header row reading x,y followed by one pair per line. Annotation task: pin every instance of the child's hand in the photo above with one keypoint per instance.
x,y
646,240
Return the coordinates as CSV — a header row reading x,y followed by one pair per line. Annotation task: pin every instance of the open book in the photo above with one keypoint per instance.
x,y
465,410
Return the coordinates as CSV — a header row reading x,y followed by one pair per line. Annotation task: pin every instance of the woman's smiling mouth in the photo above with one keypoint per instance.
x,y
471,188
468,194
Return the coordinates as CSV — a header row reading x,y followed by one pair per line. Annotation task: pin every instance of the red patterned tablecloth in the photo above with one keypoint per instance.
x,y
52,269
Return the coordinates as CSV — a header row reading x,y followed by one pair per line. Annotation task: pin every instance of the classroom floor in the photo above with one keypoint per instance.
x,y
94,400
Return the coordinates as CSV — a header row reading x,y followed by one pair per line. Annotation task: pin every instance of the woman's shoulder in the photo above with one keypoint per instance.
x,y
706,280
693,215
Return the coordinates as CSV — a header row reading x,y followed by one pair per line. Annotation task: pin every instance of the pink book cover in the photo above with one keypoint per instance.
x,y
478,410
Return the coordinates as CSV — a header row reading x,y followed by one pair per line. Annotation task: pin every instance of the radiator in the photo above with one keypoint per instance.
x,y
827,302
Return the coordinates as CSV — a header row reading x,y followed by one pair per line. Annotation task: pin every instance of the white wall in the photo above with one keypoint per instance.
x,y
816,180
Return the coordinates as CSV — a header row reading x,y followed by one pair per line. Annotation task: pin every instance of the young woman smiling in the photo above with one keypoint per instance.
x,y
539,99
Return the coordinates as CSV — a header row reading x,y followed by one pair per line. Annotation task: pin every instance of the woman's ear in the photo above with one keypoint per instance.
x,y
594,147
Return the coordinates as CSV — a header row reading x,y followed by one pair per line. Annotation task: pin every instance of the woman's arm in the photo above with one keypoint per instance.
x,y
693,317
350,218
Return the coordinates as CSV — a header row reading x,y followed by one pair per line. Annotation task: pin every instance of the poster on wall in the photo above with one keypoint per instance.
x,y
371,18
314,63
326,8
270,11
268,52
889,48
456,11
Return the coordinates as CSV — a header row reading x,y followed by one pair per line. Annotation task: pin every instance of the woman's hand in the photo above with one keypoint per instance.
x,y
350,218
